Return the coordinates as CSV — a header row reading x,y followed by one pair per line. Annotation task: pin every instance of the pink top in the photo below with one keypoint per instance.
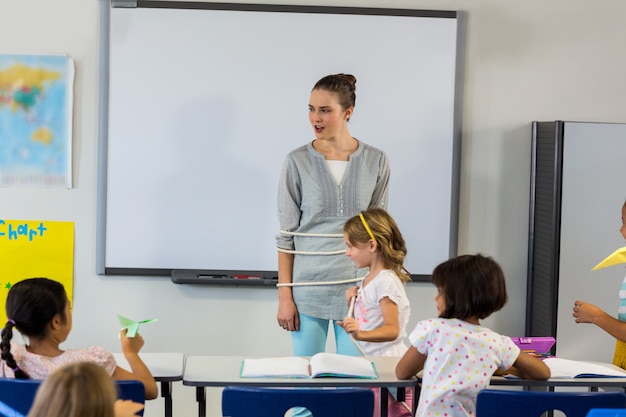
x,y
39,367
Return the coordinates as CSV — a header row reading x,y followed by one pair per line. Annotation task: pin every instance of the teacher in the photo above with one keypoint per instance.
x,y
322,184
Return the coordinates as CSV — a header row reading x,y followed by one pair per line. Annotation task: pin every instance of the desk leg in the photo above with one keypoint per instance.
x,y
417,390
201,398
384,401
401,396
166,393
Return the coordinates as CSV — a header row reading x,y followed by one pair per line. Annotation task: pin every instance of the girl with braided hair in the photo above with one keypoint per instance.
x,y
40,310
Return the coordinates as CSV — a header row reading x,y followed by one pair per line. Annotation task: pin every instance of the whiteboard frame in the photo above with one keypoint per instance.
x,y
101,256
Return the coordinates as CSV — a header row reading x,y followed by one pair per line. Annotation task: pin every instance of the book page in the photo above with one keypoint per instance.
x,y
335,365
286,367
566,368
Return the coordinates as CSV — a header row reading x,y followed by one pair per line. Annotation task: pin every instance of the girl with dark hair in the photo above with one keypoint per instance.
x,y
40,310
455,348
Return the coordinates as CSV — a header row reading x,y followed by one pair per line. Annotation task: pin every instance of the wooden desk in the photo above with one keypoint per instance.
x,y
165,368
222,371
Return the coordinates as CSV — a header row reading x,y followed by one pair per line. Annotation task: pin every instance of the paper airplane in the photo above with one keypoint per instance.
x,y
132,326
617,257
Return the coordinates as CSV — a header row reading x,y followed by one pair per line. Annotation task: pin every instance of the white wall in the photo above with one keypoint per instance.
x,y
530,60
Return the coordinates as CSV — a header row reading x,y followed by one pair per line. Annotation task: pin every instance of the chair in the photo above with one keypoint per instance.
x,y
274,402
17,395
131,390
498,403
607,412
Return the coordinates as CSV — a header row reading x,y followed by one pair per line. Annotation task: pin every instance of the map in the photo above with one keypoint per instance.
x,y
36,100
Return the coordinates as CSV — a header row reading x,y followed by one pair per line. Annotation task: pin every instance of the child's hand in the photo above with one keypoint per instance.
x,y
130,345
350,325
351,292
126,408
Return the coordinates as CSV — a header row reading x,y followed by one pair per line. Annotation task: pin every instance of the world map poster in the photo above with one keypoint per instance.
x,y
36,101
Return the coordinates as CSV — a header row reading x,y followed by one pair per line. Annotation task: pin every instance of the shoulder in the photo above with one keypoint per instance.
x,y
96,354
372,150
425,334
388,283
93,353
299,152
18,351
428,325
300,157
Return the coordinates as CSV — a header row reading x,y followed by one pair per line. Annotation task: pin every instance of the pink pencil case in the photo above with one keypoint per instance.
x,y
538,345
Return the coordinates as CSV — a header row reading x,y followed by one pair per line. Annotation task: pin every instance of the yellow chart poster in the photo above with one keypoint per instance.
x,y
35,248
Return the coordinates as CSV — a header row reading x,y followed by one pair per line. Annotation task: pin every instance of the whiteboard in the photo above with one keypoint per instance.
x,y
201,105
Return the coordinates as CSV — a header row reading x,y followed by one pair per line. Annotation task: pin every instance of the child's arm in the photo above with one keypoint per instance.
x,y
528,367
410,364
589,313
139,370
388,331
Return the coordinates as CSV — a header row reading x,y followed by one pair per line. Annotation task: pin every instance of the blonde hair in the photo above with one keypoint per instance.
x,y
385,232
78,389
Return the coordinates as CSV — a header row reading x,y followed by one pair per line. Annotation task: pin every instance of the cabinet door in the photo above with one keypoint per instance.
x,y
593,192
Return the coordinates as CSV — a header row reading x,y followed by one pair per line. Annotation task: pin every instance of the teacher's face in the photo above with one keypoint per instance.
x,y
326,116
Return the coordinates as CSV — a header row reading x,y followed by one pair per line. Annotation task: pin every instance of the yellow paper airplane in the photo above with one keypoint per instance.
x,y
132,326
617,257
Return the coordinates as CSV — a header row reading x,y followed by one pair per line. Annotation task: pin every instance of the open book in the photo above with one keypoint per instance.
x,y
319,365
566,368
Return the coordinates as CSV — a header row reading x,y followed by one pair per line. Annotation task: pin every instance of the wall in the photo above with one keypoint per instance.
x,y
531,60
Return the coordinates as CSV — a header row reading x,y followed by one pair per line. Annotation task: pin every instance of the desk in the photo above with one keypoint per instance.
x,y
222,371
592,383
165,368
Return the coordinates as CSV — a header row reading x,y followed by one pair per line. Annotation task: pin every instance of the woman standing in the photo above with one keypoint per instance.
x,y
322,184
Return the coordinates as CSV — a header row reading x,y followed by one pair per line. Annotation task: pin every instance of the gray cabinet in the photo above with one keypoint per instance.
x,y
578,186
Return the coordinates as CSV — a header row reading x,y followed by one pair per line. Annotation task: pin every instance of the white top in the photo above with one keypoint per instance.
x,y
460,361
337,169
369,316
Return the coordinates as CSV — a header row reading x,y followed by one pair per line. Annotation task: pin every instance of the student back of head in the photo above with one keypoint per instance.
x,y
80,389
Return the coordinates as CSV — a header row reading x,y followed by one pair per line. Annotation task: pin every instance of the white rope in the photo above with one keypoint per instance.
x,y
298,252
351,314
285,232
303,284
302,252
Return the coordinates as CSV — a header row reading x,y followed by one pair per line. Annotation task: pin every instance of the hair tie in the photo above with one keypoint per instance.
x,y
17,368
12,322
369,231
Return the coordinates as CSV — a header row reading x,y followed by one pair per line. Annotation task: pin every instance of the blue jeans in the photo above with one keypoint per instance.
x,y
311,339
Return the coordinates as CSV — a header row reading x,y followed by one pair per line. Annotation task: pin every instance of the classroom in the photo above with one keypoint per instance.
x,y
524,61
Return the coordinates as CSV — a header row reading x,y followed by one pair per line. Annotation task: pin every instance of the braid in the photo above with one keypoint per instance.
x,y
5,348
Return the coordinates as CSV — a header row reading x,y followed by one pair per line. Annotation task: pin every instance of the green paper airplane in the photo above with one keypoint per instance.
x,y
132,326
